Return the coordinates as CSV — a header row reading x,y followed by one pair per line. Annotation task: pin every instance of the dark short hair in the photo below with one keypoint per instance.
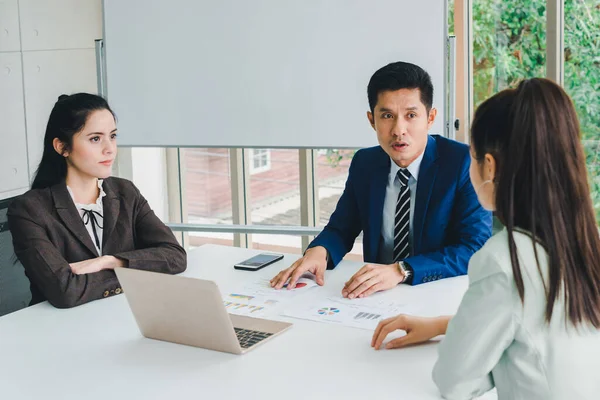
x,y
400,75
68,117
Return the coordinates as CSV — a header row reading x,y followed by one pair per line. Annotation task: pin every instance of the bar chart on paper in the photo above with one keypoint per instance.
x,y
366,315
242,308
259,299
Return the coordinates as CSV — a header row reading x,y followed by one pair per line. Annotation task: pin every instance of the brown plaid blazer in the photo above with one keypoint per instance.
x,y
48,234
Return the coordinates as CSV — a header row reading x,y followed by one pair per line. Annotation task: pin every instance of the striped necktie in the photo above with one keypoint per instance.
x,y
402,218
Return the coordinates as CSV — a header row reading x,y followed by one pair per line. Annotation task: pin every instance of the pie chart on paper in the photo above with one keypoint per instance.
x,y
298,285
328,311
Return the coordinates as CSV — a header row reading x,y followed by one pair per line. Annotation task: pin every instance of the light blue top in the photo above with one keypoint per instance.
x,y
495,340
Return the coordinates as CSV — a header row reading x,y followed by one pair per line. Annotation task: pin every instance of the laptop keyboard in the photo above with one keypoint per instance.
x,y
248,338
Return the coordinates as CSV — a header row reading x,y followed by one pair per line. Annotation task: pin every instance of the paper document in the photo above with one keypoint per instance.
x,y
259,299
358,313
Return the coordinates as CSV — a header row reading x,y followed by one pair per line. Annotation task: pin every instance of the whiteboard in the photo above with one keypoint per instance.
x,y
262,73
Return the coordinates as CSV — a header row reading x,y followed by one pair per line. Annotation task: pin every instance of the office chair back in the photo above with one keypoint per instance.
x,y
14,285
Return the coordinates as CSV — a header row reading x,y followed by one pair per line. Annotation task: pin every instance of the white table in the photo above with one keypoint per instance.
x,y
95,351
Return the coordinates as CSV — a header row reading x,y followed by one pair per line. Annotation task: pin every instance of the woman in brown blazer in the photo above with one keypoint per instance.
x,y
77,224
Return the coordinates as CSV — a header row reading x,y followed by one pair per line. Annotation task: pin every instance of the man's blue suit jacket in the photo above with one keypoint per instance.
x,y
449,224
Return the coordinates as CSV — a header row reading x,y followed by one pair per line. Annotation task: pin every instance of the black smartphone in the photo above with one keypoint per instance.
x,y
257,262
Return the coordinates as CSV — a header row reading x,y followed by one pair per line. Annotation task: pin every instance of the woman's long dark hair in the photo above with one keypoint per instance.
x,y
541,187
67,118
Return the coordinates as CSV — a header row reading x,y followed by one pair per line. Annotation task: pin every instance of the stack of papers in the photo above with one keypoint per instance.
x,y
312,302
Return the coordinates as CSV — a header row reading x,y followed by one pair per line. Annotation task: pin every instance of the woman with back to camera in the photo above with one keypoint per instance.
x,y
77,224
529,323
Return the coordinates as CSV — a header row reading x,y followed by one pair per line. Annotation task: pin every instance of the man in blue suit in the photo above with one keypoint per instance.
x,y
411,196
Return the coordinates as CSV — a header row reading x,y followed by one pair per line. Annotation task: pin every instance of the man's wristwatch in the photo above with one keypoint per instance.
x,y
406,271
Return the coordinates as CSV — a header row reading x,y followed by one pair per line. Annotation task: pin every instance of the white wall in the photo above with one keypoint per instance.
x,y
150,176
47,49
13,151
147,168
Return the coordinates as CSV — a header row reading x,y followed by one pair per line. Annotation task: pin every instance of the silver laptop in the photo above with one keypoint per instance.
x,y
191,311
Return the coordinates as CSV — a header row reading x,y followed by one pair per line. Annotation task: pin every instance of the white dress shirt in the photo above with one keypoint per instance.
x,y
96,207
386,246
495,340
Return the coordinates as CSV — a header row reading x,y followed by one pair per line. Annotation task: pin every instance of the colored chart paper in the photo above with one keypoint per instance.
x,y
259,299
358,313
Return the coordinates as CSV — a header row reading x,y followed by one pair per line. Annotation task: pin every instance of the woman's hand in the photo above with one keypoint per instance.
x,y
418,330
96,264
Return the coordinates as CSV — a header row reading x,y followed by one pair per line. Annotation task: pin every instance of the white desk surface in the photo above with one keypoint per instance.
x,y
95,351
